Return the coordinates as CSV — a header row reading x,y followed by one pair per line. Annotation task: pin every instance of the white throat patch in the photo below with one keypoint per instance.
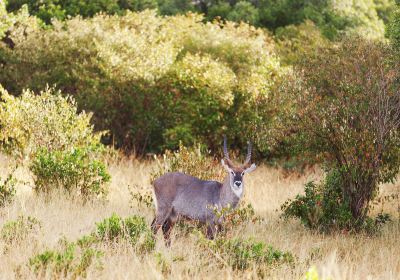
x,y
238,191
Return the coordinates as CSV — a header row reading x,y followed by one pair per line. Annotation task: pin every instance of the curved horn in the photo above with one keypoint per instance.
x,y
248,157
226,155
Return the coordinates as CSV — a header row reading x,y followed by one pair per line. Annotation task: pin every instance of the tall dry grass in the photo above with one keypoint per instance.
x,y
339,256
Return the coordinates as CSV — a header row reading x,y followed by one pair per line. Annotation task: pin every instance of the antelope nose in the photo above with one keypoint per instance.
x,y
238,183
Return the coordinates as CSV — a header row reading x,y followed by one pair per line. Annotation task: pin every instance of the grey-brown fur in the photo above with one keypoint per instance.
x,y
181,195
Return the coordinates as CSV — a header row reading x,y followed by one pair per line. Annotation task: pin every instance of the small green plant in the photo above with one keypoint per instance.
x,y
241,253
74,171
19,229
234,217
134,229
323,207
7,189
162,263
141,198
193,161
70,261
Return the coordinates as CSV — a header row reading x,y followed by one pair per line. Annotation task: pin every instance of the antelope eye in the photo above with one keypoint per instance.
x,y
233,173
242,173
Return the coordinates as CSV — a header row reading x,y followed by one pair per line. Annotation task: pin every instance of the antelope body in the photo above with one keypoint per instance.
x,y
180,195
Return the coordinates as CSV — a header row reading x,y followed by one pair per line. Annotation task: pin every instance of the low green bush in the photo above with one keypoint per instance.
x,y
32,121
232,218
334,115
19,229
242,253
323,207
69,261
74,171
7,189
133,229
63,149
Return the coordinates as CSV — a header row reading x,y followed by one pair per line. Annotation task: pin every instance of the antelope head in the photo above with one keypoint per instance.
x,y
236,172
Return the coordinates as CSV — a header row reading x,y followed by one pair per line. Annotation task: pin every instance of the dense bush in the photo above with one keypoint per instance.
x,y
70,261
181,79
332,17
393,28
240,254
73,170
347,114
133,229
32,121
60,142
324,207
56,9
296,42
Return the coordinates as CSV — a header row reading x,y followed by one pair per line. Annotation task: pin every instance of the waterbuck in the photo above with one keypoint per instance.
x,y
178,195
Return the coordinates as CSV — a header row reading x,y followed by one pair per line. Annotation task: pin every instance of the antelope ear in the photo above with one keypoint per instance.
x,y
225,165
250,169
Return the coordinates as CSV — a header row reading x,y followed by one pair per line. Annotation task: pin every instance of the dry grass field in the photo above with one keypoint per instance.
x,y
340,256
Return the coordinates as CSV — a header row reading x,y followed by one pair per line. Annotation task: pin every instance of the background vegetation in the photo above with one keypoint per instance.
x,y
310,83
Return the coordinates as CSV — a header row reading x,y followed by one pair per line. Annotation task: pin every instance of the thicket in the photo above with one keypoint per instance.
x,y
365,17
59,143
393,28
152,81
346,112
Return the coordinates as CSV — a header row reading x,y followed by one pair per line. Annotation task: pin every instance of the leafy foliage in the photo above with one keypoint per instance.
x,y
70,261
393,28
233,217
134,229
332,17
19,229
180,80
347,113
7,189
324,207
56,9
74,171
296,42
31,121
240,254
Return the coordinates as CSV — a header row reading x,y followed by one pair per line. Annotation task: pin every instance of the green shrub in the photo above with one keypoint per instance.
x,y
393,28
324,207
56,9
73,170
332,17
244,213
132,71
133,229
240,254
72,157
32,121
296,42
70,261
7,189
344,112
19,229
